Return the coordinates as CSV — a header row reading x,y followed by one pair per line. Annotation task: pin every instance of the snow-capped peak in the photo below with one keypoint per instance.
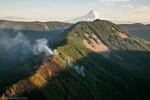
x,y
91,16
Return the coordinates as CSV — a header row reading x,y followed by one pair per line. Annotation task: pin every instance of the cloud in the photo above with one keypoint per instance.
x,y
127,6
142,9
14,18
114,0
141,13
135,14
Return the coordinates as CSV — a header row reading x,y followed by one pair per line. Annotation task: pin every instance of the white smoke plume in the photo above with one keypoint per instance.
x,y
13,43
41,47
78,69
20,44
17,49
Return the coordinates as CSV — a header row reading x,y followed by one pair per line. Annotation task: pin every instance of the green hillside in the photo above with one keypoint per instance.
x,y
80,72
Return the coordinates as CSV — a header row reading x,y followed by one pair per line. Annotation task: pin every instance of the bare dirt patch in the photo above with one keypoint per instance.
x,y
122,35
93,43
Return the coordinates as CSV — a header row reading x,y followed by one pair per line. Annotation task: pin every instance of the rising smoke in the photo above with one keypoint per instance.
x,y
23,45
10,43
41,47
18,49
21,52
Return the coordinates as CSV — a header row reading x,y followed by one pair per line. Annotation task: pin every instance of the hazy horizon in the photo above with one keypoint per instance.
x,y
119,11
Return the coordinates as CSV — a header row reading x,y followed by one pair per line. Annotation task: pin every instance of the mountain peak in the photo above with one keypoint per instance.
x,y
92,12
91,16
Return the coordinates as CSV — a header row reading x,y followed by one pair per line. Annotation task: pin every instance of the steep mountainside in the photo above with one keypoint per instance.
x,y
98,61
139,30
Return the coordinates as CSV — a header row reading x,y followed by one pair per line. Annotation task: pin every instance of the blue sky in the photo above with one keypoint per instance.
x,y
61,10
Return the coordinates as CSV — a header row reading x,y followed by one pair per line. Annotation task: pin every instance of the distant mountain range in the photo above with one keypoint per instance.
x,y
34,26
138,30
